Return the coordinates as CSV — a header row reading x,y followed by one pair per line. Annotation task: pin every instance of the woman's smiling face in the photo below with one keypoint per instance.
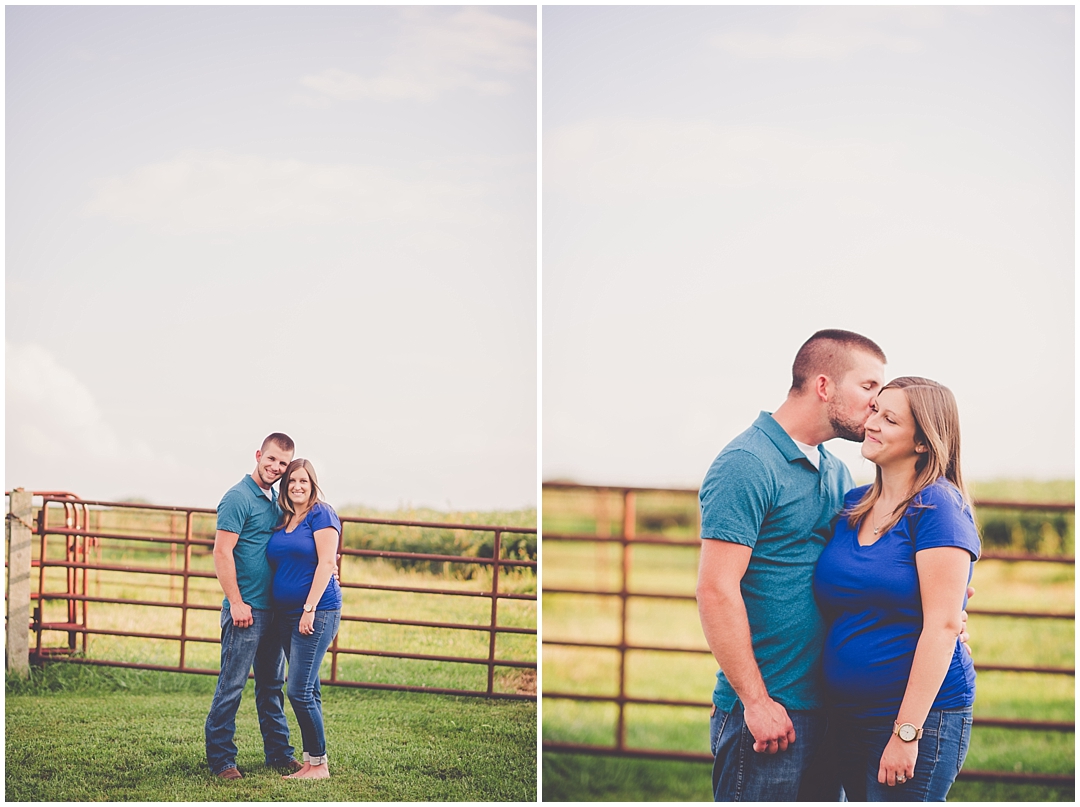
x,y
299,487
890,429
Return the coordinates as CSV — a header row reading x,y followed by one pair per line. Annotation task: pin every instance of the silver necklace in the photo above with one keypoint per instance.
x,y
877,528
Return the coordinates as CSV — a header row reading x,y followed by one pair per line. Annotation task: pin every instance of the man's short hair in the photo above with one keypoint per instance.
x,y
829,353
283,441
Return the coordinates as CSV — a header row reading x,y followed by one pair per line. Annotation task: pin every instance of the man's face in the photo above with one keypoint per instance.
x,y
854,395
271,464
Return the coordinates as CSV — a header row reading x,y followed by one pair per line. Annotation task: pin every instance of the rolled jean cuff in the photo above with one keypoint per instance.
x,y
314,760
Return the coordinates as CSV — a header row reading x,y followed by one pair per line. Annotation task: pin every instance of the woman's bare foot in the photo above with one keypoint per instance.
x,y
310,771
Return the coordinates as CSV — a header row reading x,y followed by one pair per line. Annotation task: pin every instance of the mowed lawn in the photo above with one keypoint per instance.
x,y
81,733
76,732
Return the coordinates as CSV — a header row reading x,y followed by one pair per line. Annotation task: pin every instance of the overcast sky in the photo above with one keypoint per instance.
x,y
227,221
721,182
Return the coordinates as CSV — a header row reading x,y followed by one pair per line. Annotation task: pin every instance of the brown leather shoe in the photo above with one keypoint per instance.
x,y
292,766
230,773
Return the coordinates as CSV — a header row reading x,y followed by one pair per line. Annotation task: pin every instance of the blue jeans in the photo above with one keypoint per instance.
x,y
259,645
942,749
306,653
806,771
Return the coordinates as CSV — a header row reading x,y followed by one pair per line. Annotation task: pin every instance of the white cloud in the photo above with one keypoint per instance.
x,y
217,191
58,437
48,407
53,418
437,55
629,157
834,34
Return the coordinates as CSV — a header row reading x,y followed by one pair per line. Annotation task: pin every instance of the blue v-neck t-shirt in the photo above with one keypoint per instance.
x,y
871,597
294,556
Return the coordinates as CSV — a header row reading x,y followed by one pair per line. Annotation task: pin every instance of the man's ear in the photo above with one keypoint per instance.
x,y
821,387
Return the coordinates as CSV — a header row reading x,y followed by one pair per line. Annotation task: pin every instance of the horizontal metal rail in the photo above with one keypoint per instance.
x,y
690,597
69,548
965,775
1000,722
707,652
695,543
356,684
1063,507
621,590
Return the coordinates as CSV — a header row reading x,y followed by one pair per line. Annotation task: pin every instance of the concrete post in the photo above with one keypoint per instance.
x,y
18,593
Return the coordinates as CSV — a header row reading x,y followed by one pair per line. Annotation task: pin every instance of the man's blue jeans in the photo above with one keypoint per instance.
x,y
806,771
258,645
942,749
306,653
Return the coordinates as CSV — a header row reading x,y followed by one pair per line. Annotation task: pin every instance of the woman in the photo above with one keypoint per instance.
x,y
892,582
302,553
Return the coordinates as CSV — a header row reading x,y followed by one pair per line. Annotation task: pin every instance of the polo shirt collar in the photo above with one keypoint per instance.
x,y
254,488
780,438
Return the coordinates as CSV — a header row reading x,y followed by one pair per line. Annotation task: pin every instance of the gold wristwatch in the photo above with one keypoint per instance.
x,y
906,732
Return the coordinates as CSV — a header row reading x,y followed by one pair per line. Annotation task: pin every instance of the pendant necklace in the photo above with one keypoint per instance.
x,y
877,529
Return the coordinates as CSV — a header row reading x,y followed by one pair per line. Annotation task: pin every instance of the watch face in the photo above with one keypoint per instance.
x,y
907,732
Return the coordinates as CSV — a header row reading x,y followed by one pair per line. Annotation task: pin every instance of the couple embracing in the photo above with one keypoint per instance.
x,y
836,612
275,558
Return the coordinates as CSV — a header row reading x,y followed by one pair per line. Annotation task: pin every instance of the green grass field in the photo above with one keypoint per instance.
x,y
690,676
77,732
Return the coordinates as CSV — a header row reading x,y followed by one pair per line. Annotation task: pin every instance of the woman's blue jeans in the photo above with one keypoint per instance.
x,y
306,652
942,749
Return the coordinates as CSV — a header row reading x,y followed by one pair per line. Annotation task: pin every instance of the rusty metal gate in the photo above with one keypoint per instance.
x,y
628,539
160,557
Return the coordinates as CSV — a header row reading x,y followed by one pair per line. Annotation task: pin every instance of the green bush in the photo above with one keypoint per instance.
x,y
1029,532
439,541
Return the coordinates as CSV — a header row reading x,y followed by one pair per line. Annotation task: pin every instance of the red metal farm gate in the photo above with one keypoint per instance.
x,y
624,544
85,557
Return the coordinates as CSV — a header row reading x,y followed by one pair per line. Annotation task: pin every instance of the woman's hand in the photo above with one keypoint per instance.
x,y
307,623
897,761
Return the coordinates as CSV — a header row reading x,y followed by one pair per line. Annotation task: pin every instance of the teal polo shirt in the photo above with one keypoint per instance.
x,y
246,510
762,492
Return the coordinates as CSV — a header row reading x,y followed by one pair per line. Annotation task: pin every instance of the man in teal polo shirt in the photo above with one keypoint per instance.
x,y
246,518
767,503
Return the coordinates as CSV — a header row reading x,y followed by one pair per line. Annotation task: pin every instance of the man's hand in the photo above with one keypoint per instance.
x,y
241,614
770,725
964,638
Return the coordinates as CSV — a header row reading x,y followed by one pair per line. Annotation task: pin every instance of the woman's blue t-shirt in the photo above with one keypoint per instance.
x,y
293,557
870,596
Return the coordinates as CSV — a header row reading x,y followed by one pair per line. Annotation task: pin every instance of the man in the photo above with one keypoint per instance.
x,y
246,518
766,506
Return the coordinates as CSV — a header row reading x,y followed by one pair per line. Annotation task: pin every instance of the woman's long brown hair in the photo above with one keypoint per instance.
x,y
284,502
937,426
